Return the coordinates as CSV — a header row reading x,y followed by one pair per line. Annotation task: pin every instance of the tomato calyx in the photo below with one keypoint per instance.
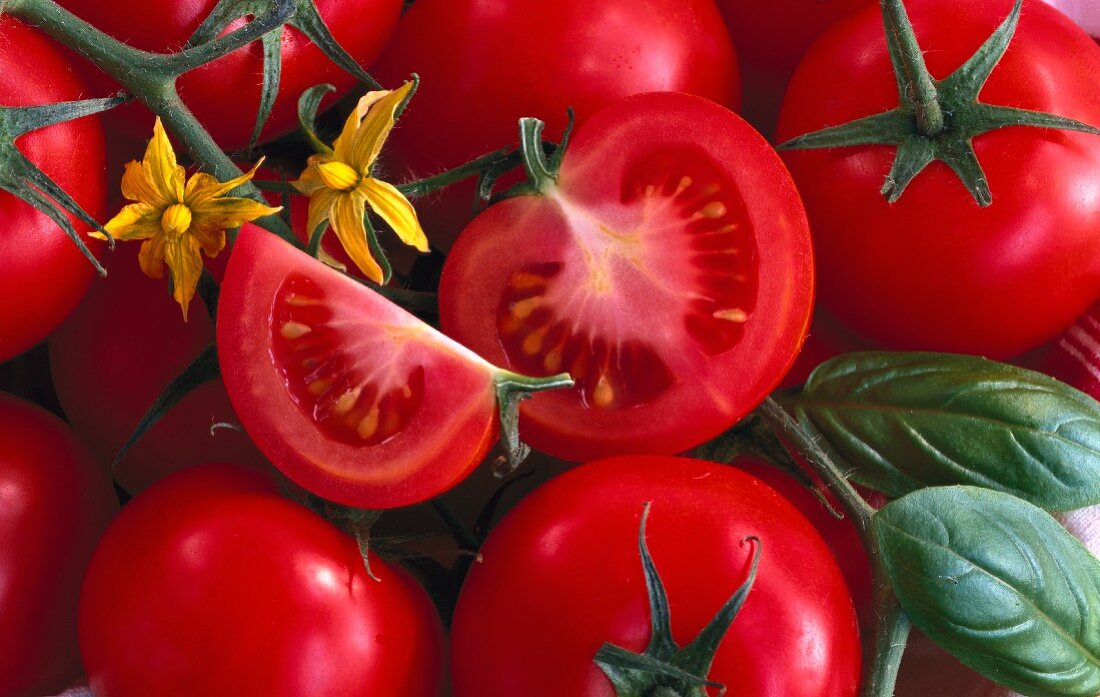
x,y
937,120
22,179
665,669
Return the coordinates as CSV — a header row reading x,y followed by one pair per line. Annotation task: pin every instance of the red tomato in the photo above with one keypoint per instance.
x,y
211,584
350,396
562,574
771,37
934,270
669,271
117,353
485,64
44,274
825,340
839,534
225,94
55,502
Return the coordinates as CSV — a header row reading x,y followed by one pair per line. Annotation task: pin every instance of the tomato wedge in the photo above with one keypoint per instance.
x,y
349,395
666,265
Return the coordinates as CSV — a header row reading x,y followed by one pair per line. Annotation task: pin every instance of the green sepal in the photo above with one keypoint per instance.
x,y
22,179
305,19
999,584
960,117
663,664
308,105
202,369
376,250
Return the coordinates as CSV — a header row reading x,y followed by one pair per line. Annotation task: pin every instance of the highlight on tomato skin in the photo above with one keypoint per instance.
x,y
226,588
350,396
561,574
669,270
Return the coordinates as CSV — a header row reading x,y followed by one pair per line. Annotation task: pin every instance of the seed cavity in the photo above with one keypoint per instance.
x,y
294,330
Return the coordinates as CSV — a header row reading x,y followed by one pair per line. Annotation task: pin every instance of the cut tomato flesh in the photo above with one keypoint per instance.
x,y
350,396
669,272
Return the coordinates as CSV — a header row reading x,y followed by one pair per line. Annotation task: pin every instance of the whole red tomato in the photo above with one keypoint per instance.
x,y
771,38
667,268
225,94
55,502
117,353
935,270
484,64
562,574
211,584
44,274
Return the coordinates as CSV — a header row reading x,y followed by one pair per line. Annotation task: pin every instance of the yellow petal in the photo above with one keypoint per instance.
x,y
203,186
347,222
151,257
342,146
185,263
310,181
160,166
320,209
395,209
136,221
375,129
210,238
136,186
229,212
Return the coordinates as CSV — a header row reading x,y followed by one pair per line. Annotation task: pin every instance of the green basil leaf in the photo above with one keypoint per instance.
x,y
904,421
998,583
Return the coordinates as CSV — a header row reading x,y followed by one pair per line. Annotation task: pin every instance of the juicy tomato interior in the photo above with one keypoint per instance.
x,y
668,272
350,396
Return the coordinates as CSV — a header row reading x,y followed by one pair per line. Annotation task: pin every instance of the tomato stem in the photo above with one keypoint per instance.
x,y
887,645
422,187
915,84
540,172
511,389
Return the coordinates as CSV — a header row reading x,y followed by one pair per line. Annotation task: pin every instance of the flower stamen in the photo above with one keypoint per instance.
x,y
176,219
338,176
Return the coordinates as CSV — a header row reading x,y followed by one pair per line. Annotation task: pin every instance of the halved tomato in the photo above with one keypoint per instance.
x,y
349,395
668,269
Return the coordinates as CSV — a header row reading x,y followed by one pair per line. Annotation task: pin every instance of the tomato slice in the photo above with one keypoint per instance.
x,y
669,270
350,396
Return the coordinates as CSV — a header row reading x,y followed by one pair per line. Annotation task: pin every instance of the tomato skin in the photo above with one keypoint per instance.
x,y
361,27
115,355
44,273
484,64
934,270
55,502
229,589
566,561
708,390
771,38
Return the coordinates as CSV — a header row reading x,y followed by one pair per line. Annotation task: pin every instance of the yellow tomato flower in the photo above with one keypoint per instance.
x,y
339,184
177,219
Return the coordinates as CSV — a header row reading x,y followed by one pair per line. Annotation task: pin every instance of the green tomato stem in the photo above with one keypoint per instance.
x,y
887,646
427,185
540,173
918,88
790,431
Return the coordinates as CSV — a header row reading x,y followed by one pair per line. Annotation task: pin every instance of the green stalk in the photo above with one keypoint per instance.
x,y
918,86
